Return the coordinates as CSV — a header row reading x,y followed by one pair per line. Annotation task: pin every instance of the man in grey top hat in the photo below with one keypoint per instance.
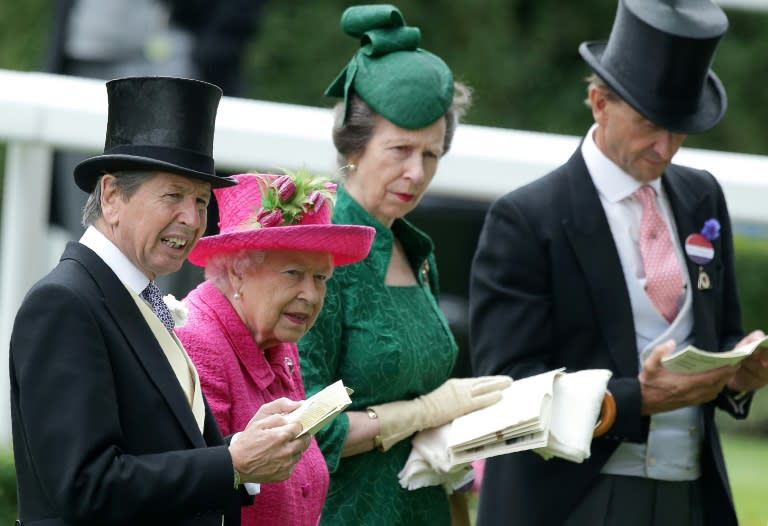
x,y
110,425
614,260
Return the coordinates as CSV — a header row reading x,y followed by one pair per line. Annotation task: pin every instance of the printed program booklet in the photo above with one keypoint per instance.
x,y
321,408
695,360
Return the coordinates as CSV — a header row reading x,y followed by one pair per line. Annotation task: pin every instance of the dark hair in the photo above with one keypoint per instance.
x,y
352,136
126,183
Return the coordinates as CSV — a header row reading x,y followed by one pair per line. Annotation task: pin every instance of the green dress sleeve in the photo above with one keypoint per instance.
x,y
320,353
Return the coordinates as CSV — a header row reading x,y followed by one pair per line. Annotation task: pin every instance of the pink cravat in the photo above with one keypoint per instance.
x,y
663,280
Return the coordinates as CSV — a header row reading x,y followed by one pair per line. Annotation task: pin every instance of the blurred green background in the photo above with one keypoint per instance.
x,y
520,56
521,59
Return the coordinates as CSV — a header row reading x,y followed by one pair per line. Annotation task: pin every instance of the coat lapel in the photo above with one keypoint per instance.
x,y
587,228
118,301
690,210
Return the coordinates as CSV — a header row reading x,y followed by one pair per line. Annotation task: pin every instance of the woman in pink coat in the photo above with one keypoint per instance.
x,y
265,285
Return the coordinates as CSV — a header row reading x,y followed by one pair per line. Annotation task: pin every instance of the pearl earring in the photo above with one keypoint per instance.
x,y
236,296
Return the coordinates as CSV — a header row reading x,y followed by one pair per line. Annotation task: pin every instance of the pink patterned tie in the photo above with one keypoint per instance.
x,y
663,279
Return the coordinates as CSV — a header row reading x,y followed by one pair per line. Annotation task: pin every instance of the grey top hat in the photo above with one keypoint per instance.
x,y
658,59
158,123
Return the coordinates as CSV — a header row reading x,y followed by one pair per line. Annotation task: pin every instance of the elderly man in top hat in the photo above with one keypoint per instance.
x,y
595,265
110,425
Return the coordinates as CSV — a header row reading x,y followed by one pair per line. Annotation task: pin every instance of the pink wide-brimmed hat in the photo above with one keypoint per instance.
x,y
282,212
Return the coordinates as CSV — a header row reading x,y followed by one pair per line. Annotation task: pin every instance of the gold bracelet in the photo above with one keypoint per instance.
x,y
377,439
237,479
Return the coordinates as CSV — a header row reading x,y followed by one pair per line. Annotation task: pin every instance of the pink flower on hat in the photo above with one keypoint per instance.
x,y
285,199
268,218
255,216
315,201
285,187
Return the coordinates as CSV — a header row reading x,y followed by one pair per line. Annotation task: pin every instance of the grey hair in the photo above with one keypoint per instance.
x,y
595,82
218,266
127,182
352,136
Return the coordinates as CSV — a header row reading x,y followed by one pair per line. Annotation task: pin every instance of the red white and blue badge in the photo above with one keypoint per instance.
x,y
699,249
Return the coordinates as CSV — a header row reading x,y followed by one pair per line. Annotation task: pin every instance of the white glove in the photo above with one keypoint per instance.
x,y
456,397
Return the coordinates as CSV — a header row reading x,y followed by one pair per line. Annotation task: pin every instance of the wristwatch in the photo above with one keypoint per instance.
x,y
377,439
237,478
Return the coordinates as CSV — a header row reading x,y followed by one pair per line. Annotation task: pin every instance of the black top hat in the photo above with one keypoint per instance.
x,y
157,123
658,60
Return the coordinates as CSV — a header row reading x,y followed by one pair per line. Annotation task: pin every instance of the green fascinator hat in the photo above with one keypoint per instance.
x,y
407,85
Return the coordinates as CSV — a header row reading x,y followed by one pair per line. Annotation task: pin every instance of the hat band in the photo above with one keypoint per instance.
x,y
183,158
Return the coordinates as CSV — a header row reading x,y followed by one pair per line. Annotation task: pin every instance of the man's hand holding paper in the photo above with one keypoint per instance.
x,y
664,390
267,450
753,371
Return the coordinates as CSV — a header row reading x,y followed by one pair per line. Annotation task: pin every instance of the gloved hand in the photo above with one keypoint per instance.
x,y
456,397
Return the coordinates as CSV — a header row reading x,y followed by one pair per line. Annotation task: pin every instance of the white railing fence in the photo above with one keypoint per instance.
x,y
745,5
39,112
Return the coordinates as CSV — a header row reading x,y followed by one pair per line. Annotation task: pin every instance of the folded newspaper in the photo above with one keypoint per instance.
x,y
553,414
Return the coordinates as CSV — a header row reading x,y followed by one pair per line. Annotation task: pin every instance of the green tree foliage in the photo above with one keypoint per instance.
x,y
23,26
521,57
751,262
7,488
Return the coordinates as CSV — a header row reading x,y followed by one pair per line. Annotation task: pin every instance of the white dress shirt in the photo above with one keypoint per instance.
x,y
674,441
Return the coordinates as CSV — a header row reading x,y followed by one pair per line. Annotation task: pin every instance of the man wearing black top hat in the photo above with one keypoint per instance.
x,y
109,422
611,261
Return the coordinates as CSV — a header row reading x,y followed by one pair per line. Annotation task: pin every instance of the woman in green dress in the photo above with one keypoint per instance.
x,y
381,329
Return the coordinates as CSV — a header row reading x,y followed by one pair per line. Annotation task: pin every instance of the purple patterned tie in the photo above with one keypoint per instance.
x,y
152,295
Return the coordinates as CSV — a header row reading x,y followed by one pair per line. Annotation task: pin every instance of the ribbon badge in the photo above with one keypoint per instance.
x,y
700,250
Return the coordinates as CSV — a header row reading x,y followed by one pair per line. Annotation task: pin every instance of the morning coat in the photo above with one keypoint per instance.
x,y
547,291
102,431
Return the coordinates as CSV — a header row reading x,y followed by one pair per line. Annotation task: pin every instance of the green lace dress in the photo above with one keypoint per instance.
x,y
387,343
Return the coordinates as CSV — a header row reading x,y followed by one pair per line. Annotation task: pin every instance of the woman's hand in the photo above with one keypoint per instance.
x,y
455,397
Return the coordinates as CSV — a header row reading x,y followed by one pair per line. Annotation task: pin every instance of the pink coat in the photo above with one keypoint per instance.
x,y
237,379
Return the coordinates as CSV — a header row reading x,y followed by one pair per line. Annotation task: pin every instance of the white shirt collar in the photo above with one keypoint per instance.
x,y
612,183
115,259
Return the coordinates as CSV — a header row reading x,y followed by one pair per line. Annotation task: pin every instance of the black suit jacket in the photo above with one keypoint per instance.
x,y
102,431
547,291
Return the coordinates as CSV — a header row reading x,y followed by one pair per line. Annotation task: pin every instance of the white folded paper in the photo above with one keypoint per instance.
x,y
429,463
553,414
575,409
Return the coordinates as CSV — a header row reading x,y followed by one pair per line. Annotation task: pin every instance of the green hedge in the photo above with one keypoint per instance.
x,y
751,265
7,489
520,56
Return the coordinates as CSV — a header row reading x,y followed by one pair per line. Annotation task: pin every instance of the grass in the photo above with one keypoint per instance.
x,y
747,461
